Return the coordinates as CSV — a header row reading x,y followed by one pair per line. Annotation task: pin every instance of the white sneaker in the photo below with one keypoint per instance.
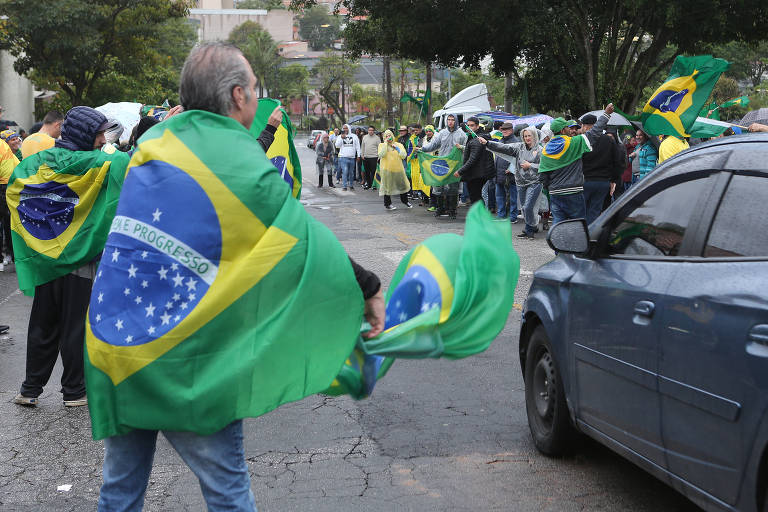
x,y
391,207
2,267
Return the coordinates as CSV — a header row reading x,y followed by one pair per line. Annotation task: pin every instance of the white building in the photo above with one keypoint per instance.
x,y
16,93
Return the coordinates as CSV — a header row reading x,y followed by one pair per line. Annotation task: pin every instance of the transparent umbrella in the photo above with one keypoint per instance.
x,y
755,116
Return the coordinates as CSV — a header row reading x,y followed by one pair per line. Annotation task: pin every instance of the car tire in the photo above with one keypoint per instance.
x,y
545,403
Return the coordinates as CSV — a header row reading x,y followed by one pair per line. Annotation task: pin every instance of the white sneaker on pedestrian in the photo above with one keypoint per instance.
x,y
391,207
409,205
79,402
28,401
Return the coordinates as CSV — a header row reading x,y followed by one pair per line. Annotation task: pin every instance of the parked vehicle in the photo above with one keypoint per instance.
x,y
649,331
313,138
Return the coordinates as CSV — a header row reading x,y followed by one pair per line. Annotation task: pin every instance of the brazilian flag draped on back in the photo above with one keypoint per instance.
x,y
438,170
673,108
61,204
442,302
210,285
282,152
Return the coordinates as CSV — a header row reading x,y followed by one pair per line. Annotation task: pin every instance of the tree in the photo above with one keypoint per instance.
x,y
292,82
75,44
319,27
335,72
370,100
749,61
260,50
259,4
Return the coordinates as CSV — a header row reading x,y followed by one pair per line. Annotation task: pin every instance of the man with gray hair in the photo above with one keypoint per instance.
x,y
217,79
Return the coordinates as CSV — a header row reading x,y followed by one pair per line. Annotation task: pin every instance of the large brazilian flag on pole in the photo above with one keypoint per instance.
x,y
673,108
210,286
61,204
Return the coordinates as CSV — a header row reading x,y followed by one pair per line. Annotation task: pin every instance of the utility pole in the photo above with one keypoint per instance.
x,y
388,90
428,92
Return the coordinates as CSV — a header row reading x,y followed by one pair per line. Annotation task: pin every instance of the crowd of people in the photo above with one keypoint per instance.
x,y
589,164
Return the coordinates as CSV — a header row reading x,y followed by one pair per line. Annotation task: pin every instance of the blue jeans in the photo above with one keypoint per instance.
x,y
347,171
527,196
217,460
502,191
594,197
568,206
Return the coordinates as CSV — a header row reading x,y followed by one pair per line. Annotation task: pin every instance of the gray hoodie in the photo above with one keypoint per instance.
x,y
445,140
519,150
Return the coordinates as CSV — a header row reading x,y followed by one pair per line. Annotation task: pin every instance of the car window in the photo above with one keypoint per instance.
x,y
740,228
655,221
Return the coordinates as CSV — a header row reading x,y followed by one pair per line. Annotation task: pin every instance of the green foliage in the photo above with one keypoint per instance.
x,y
332,71
292,82
73,45
260,50
259,4
319,27
370,101
749,61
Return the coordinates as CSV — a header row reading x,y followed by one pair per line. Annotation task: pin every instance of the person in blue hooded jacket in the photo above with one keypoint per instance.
x,y
57,319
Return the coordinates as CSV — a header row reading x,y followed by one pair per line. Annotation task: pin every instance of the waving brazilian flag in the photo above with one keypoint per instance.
x,y
438,170
673,108
210,286
282,152
442,302
61,204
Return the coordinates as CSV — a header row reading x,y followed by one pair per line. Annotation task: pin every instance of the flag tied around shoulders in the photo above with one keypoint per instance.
x,y
282,152
673,108
437,171
61,204
209,287
442,302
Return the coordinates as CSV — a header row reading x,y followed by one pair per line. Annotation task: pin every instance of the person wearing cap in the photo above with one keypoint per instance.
x,y
602,168
13,139
506,190
561,167
57,319
44,138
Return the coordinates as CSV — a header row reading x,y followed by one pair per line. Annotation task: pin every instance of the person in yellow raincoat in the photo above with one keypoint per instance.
x,y
393,178
418,186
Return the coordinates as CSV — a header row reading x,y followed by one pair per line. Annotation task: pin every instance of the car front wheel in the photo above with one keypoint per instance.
x,y
545,404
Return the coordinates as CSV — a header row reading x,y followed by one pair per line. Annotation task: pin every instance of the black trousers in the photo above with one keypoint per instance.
x,y
403,198
57,325
370,170
475,187
6,244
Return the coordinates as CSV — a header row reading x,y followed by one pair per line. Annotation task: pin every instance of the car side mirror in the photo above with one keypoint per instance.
x,y
569,236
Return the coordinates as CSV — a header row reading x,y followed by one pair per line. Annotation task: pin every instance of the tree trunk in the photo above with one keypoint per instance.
x,y
388,90
508,83
428,93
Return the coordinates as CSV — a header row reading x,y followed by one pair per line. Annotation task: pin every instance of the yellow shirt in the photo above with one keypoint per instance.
x,y
35,143
671,146
8,162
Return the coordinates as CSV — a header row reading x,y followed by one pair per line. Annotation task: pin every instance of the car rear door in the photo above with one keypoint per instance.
x,y
713,370
615,305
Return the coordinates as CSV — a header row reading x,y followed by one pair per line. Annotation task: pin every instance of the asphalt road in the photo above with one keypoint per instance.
x,y
436,435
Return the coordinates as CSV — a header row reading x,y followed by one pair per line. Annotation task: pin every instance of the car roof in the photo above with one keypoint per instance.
x,y
737,152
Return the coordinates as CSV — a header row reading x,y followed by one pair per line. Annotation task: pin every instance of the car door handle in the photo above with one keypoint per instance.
x,y
759,334
645,308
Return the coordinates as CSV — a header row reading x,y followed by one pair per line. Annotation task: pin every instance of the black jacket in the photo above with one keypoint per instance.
x,y
79,129
478,161
606,161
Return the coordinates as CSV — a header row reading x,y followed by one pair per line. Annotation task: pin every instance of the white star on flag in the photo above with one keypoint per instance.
x,y
144,255
132,271
166,318
119,324
128,338
425,307
144,284
168,305
177,318
403,316
174,266
101,297
150,310
151,329
98,318
127,291
156,215
191,296
183,305
115,255
137,300
191,284
176,296
163,272
178,280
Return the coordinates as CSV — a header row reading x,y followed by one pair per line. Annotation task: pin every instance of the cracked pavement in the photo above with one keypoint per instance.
x,y
436,435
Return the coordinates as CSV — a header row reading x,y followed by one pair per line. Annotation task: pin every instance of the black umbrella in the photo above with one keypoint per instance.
x,y
654,139
755,116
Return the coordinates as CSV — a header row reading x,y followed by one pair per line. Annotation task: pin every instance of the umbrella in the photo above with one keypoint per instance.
x,y
755,116
614,120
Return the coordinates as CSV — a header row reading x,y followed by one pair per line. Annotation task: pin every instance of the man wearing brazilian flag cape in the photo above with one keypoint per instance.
x,y
208,291
560,166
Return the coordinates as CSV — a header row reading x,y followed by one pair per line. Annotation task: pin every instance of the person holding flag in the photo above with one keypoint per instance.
x,y
60,210
208,307
561,168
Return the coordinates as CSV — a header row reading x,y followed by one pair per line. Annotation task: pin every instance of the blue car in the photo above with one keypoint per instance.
x,y
649,331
